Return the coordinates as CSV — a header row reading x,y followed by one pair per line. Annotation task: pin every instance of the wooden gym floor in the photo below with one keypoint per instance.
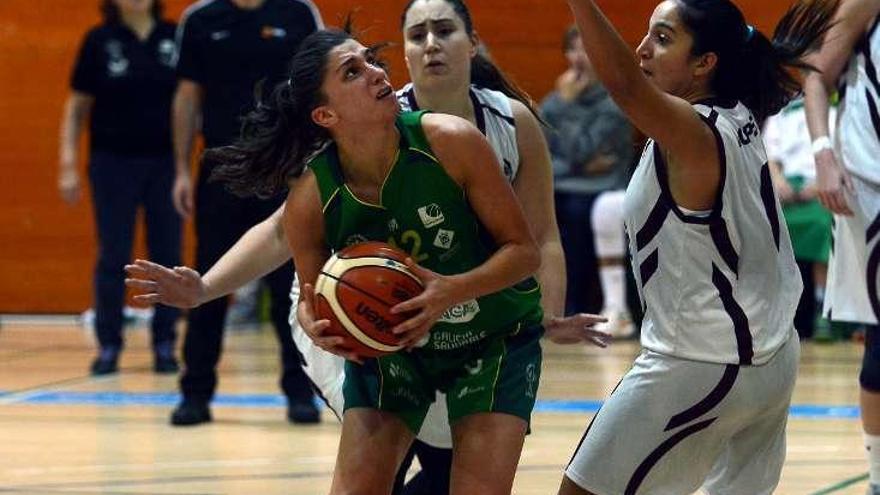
x,y
65,432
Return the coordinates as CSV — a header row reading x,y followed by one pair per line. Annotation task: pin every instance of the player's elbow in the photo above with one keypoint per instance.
x,y
530,260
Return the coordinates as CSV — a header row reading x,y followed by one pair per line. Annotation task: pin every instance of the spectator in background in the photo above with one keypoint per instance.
x,y
591,148
793,173
122,85
227,47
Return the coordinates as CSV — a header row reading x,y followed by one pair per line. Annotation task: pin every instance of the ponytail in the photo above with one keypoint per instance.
x,y
486,74
276,140
279,135
760,73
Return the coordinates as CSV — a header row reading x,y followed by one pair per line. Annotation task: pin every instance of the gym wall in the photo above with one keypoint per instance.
x,y
47,248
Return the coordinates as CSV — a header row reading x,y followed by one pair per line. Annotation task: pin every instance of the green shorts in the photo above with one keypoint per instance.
x,y
809,225
499,374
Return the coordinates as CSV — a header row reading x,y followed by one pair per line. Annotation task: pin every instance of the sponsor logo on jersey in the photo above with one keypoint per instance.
x,y
117,64
531,380
406,394
431,215
449,252
117,67
746,133
399,372
461,313
167,52
446,341
475,367
444,238
465,391
272,32
220,35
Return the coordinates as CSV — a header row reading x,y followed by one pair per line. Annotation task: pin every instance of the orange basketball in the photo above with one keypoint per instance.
x,y
356,290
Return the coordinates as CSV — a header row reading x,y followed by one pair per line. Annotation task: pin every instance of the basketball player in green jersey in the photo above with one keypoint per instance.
x,y
421,181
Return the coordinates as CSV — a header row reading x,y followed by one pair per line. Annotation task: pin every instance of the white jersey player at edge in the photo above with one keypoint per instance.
x,y
706,402
848,182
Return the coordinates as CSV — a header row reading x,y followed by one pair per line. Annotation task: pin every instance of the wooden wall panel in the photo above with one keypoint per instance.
x,y
47,248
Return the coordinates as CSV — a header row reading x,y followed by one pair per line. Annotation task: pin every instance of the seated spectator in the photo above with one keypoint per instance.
x,y
591,147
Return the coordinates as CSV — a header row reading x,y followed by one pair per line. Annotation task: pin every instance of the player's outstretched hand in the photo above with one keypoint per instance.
x,y
575,329
427,306
317,329
180,286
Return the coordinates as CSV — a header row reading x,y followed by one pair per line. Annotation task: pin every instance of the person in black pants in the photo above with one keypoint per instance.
x,y
227,49
122,84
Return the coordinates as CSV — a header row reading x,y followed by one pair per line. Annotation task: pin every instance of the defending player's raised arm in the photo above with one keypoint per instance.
x,y
669,120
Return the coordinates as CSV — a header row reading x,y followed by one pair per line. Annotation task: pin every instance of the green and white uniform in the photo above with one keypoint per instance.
x,y
483,353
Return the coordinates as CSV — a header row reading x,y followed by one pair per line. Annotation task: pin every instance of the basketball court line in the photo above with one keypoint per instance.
x,y
168,480
842,484
170,399
256,462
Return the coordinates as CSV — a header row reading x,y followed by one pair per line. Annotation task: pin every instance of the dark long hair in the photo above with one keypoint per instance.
x,y
484,72
279,135
759,72
111,14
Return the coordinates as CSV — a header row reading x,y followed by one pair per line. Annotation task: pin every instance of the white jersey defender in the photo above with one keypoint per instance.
x,y
854,267
719,288
494,118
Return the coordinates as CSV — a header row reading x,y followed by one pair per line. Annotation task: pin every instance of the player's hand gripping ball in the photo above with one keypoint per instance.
x,y
356,290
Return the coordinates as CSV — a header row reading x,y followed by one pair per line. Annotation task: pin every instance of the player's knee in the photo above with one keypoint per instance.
x,y
607,222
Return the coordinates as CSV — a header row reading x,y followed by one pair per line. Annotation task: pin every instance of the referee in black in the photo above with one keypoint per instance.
x,y
226,48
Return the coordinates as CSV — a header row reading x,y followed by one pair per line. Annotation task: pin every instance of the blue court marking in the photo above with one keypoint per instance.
x,y
801,411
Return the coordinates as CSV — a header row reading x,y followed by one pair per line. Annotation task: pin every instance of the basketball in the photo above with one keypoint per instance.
x,y
356,290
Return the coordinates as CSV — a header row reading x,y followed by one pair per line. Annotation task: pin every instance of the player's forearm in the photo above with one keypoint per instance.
x,y
260,251
185,119
552,278
611,57
510,264
75,113
816,104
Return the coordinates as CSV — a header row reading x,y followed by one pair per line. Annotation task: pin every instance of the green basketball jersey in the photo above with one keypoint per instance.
x,y
424,212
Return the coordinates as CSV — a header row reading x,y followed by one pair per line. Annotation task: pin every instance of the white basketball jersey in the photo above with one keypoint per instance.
x,y
721,286
858,132
494,119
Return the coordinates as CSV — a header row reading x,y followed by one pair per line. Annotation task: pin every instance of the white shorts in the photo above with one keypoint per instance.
x,y
327,373
848,296
672,426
